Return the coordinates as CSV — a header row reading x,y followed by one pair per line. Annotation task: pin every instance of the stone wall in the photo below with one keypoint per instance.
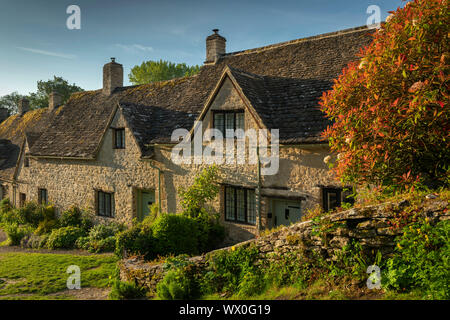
x,y
369,226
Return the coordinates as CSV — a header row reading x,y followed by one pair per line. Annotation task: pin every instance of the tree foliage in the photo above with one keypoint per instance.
x,y
11,101
151,71
204,189
39,99
390,110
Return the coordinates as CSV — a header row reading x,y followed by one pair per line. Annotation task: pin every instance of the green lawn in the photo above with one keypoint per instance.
x,y
36,275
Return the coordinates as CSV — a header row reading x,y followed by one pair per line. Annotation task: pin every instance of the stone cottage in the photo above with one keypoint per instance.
x,y
110,150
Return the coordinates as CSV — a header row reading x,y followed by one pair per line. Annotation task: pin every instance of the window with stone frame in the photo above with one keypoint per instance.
x,y
228,119
42,196
22,199
240,205
105,204
119,138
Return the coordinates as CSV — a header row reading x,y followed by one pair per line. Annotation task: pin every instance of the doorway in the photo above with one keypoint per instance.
x,y
145,198
286,212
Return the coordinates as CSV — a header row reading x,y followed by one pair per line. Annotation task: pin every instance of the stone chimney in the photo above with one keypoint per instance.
x,y
4,114
215,47
54,100
24,106
112,76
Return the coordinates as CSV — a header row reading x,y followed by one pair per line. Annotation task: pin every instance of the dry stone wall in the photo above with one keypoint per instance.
x,y
369,226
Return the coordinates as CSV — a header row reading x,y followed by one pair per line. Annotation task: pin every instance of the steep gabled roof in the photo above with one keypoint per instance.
x,y
294,74
78,127
289,105
13,132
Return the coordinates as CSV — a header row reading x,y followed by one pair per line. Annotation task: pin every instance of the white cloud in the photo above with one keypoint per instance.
x,y
134,47
49,53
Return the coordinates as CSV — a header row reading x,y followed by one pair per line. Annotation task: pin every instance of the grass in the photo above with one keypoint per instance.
x,y
317,290
36,275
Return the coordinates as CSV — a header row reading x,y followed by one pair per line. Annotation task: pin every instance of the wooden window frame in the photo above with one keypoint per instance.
x,y
98,194
115,142
341,197
40,191
224,112
246,205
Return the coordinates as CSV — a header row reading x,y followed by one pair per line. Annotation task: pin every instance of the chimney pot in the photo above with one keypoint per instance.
x,y
215,47
24,106
54,100
112,76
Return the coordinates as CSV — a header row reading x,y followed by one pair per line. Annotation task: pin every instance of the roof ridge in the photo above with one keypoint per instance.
x,y
295,41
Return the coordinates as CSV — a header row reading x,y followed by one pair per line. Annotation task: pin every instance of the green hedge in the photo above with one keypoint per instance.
x,y
64,238
169,234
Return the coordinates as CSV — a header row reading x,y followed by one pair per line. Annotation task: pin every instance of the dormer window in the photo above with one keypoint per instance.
x,y
119,138
231,120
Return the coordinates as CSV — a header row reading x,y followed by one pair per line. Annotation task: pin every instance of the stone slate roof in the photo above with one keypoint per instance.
x,y
283,82
13,132
289,105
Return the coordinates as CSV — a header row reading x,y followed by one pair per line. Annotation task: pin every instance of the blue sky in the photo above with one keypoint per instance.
x,y
35,43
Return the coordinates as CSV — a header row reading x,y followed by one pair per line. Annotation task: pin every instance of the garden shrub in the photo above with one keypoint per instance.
x,y
175,234
30,213
34,241
421,261
9,216
75,217
122,290
64,238
181,281
16,232
390,109
228,269
49,221
5,206
138,240
210,232
287,269
105,230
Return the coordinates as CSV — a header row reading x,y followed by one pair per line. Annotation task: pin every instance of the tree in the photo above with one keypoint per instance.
x,y
151,71
11,101
391,111
205,188
39,99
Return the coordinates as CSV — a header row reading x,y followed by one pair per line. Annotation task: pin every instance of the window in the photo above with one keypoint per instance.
x,y
334,197
232,120
119,138
22,199
240,205
26,162
105,204
4,191
42,196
